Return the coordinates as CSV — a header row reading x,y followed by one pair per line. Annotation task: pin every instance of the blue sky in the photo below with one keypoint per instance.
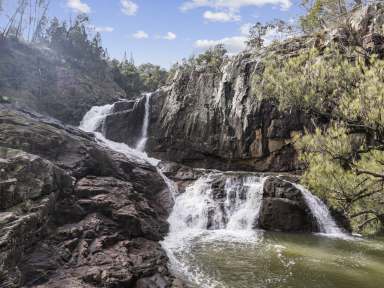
x,y
164,31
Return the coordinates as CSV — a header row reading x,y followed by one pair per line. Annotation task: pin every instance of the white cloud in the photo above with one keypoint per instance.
x,y
78,6
233,5
273,34
140,35
244,29
236,44
221,16
129,7
170,36
102,29
232,44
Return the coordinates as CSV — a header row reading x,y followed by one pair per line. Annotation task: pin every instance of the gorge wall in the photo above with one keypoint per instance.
x,y
212,119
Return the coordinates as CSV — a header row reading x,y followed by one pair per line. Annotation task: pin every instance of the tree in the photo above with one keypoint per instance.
x,y
324,13
256,34
211,59
27,20
152,76
344,155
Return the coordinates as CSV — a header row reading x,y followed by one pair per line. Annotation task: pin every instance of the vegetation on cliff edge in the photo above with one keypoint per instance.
x,y
344,154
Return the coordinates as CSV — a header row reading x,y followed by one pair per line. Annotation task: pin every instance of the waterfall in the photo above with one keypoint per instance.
x,y
93,119
320,211
201,207
144,133
217,207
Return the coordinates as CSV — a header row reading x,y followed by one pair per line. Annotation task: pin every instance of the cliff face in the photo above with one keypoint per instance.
x,y
213,120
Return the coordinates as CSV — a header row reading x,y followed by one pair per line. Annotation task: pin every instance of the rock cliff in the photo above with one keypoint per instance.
x,y
75,214
211,119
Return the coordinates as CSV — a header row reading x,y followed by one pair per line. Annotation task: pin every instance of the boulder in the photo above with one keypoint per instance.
x,y
25,177
125,124
284,209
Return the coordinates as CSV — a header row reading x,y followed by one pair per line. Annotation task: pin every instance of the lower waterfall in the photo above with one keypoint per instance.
x,y
203,218
322,214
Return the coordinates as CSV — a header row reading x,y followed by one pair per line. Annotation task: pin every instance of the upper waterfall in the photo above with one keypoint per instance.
x,y
93,121
144,134
94,118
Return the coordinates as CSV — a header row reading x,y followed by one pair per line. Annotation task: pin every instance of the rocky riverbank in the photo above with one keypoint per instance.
x,y
75,214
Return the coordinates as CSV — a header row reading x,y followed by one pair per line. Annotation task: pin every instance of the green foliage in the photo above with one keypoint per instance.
x,y
152,76
212,58
135,80
323,13
309,81
74,40
208,61
337,176
344,158
366,102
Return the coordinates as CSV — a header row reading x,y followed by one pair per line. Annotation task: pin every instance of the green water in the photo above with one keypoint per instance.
x,y
279,260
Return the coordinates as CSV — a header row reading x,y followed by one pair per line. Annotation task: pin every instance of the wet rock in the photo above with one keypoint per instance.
x,y
284,209
125,126
75,214
25,177
212,120
124,106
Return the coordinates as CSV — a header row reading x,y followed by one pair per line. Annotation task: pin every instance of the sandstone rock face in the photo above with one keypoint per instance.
x,y
74,214
284,209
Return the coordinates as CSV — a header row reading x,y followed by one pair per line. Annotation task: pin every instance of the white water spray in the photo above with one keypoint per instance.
x,y
320,211
94,118
199,208
93,122
144,132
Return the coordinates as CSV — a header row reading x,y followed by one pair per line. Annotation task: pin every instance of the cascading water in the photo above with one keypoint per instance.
x,y
94,118
200,208
205,217
144,134
327,224
93,121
